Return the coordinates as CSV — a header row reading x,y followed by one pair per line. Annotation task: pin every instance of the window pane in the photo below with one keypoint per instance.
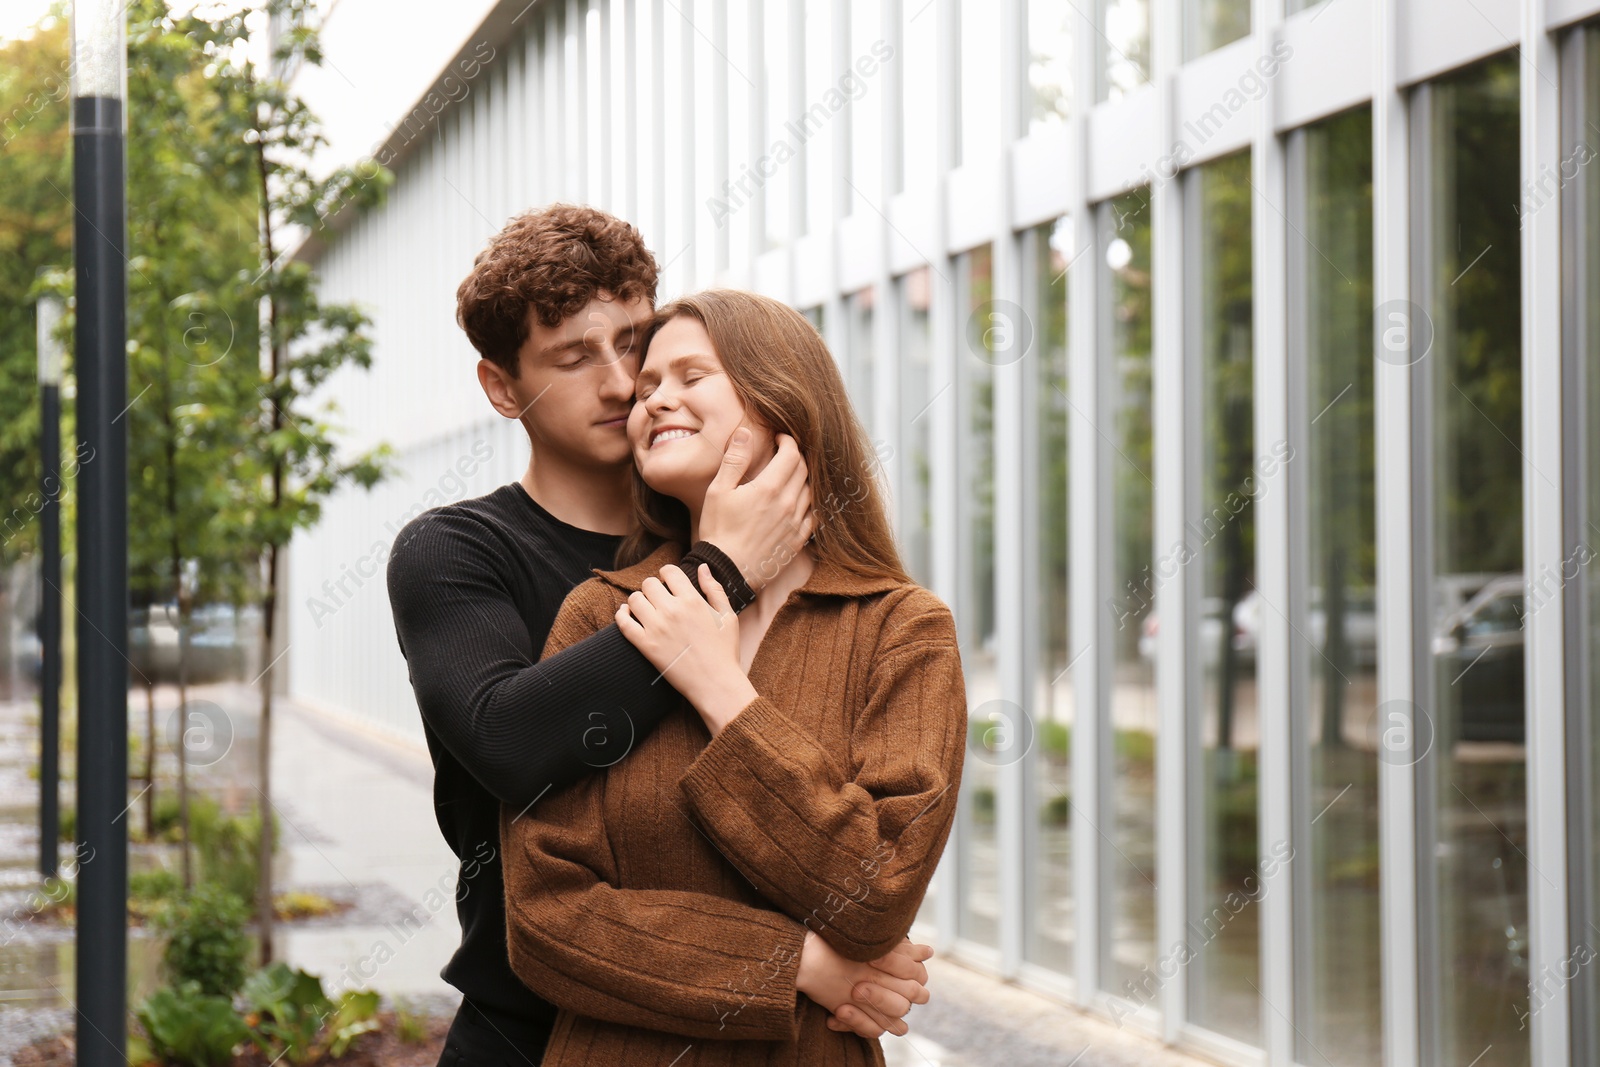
x,y
979,862
814,117
918,117
858,366
1125,47
1210,24
1048,934
1474,766
1224,916
1128,854
1335,632
1050,24
782,105
1589,513
864,84
916,397
978,126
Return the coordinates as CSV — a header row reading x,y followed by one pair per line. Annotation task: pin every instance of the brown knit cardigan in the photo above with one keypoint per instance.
x,y
661,904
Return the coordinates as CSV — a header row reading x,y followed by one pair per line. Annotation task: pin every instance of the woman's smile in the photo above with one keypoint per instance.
x,y
670,433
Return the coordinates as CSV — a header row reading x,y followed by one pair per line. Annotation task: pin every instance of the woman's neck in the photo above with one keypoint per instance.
x,y
776,589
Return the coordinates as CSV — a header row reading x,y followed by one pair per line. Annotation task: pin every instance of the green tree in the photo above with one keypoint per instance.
x,y
35,234
192,344
273,136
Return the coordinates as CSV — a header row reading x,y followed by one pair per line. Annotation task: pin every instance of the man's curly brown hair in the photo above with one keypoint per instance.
x,y
553,261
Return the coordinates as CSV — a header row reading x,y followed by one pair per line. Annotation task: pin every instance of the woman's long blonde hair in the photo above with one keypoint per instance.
x,y
784,374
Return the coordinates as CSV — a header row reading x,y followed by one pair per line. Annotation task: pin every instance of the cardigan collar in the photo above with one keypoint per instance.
x,y
826,578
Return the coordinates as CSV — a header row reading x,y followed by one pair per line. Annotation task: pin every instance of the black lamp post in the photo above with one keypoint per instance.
x,y
99,193
50,587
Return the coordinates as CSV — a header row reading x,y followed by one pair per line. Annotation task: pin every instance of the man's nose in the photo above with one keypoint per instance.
x,y
618,382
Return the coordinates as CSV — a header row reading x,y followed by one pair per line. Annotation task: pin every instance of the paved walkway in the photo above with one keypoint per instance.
x,y
356,812
362,809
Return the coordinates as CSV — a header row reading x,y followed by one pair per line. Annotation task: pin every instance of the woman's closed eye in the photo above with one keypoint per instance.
x,y
643,393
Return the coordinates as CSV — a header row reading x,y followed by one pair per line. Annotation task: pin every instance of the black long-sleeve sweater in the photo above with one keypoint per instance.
x,y
475,586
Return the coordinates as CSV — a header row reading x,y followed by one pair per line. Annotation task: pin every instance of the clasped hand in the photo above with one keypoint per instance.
x,y
692,640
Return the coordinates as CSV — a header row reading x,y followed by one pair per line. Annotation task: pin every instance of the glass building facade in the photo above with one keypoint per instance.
x,y
1235,373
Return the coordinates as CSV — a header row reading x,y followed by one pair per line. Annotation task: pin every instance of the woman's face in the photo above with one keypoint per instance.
x,y
684,412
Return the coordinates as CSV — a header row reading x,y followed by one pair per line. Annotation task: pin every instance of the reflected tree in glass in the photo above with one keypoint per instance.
x,y
1128,857
978,860
1334,636
1224,912
1210,24
1469,282
1047,852
1124,53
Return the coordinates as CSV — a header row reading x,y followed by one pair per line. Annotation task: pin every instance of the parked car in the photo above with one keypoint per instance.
x,y
1479,653
1211,631
217,648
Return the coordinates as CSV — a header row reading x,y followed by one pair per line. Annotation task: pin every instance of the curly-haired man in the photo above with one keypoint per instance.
x,y
556,307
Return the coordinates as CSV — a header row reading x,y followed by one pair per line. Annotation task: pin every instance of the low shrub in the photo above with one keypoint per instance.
x,y
206,942
190,1027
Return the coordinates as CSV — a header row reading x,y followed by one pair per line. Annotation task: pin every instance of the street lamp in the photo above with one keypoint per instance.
x,y
50,588
99,194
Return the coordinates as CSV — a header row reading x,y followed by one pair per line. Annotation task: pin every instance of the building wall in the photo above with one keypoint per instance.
x,y
1232,368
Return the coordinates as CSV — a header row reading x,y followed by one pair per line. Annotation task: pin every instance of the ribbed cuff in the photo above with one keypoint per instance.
x,y
723,569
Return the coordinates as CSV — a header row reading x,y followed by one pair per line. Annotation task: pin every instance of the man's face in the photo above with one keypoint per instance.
x,y
575,386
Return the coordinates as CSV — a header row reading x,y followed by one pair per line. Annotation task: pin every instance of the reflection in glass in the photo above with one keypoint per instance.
x,y
1124,52
1224,897
1128,856
1335,631
1210,24
1050,25
1588,510
979,861
1469,285
912,511
1047,850
858,367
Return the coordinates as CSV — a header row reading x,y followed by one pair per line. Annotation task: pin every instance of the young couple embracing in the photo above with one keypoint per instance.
x,y
695,728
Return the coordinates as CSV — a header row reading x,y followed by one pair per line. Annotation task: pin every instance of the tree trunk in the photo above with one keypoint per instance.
x,y
183,737
264,764
150,759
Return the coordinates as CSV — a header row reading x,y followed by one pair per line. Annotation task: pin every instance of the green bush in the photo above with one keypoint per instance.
x,y
296,1019
69,824
190,1027
206,942
158,883
226,847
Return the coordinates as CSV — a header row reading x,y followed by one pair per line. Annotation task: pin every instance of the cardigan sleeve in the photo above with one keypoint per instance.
x,y
847,843
679,962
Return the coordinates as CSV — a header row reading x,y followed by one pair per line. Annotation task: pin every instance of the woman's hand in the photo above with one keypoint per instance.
x,y
693,641
866,998
904,961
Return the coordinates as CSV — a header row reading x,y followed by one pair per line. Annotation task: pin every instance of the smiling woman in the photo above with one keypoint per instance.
x,y
763,852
